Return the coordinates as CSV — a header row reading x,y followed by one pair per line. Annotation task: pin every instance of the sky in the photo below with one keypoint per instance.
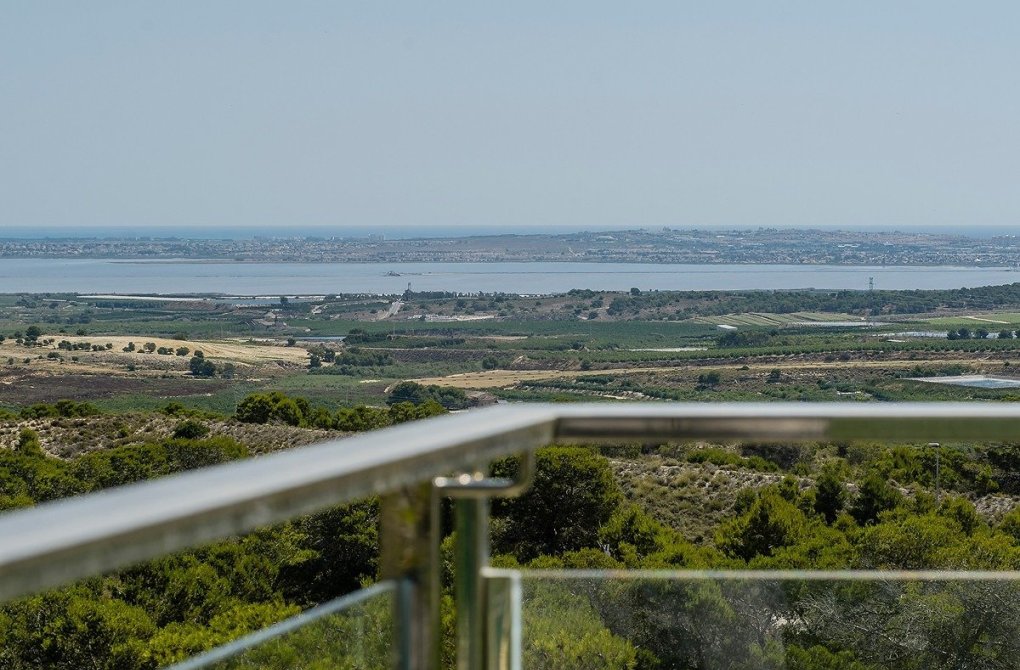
x,y
513,115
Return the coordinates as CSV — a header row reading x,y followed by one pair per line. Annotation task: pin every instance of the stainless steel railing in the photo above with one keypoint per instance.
x,y
58,542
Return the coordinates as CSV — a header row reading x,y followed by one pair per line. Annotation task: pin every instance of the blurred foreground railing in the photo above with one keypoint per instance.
x,y
411,467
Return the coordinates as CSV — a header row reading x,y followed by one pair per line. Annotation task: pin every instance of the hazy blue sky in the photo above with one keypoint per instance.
x,y
518,113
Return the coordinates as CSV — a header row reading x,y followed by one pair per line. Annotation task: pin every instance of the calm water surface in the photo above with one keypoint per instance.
x,y
111,276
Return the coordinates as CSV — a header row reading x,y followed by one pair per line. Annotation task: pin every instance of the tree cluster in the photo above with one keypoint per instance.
x,y
713,303
740,625
166,610
417,394
278,407
574,516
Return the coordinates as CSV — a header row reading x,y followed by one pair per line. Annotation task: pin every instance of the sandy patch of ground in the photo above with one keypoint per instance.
x,y
672,349
978,318
506,378
502,378
243,352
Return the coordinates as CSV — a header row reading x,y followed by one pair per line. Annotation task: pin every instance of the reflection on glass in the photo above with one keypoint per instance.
x,y
710,623
351,633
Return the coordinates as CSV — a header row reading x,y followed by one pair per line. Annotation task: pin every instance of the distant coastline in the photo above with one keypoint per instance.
x,y
760,246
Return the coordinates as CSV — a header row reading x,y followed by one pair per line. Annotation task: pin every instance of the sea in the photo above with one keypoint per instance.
x,y
190,276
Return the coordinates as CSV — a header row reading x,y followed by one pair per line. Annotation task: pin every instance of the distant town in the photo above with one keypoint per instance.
x,y
666,245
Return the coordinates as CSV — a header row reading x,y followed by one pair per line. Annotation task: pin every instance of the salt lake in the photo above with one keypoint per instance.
x,y
168,276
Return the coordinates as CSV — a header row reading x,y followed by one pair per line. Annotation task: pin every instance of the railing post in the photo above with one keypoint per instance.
x,y
471,555
504,642
409,551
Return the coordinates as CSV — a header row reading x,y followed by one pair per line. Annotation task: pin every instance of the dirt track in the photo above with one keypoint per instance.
x,y
504,378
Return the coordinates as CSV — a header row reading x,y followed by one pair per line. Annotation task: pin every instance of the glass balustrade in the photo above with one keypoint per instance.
x,y
354,632
596,620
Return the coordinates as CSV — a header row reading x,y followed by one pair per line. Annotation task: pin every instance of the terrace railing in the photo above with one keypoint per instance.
x,y
396,622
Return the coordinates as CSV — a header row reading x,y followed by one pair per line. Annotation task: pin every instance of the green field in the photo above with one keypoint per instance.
x,y
764,319
993,321
581,331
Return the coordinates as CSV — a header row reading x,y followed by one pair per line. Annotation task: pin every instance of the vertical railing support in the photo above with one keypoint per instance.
x,y
409,549
504,642
471,555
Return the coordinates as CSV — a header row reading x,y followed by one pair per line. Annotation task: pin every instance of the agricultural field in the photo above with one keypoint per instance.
x,y
993,321
759,319
339,350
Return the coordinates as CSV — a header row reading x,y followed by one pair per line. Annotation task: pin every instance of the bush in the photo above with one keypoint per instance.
x,y
771,523
412,392
62,408
190,430
200,367
875,497
830,494
29,444
273,407
574,493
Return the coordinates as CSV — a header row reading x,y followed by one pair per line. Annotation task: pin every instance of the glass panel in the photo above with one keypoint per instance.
x,y
709,621
351,633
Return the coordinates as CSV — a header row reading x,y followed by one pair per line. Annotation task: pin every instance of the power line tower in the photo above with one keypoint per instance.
x,y
871,283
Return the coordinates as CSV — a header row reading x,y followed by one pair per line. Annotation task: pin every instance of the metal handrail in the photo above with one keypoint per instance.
x,y
58,542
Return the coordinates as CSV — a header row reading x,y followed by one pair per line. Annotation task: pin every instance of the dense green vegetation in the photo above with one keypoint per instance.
x,y
847,302
171,608
787,525
450,398
277,407
631,506
860,506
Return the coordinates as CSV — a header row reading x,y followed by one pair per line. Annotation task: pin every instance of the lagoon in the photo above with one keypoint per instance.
x,y
975,381
176,277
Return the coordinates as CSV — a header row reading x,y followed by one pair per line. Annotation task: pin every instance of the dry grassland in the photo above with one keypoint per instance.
x,y
252,353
